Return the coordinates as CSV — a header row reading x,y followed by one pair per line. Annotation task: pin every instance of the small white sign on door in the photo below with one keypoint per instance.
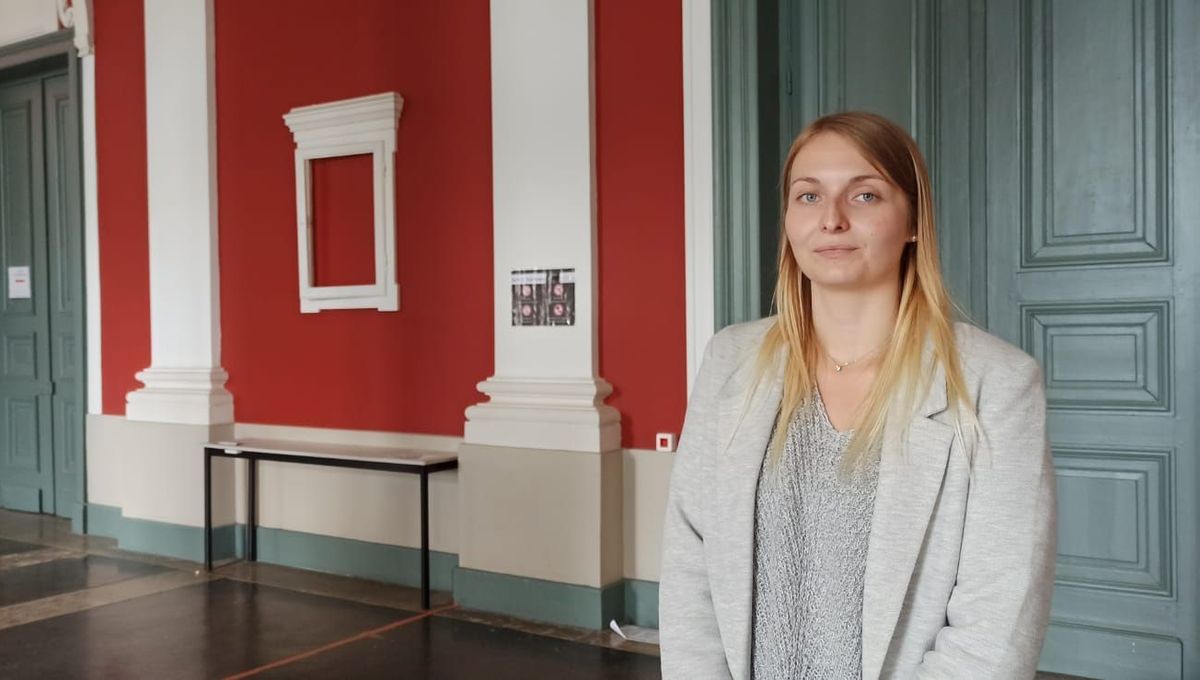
x,y
18,283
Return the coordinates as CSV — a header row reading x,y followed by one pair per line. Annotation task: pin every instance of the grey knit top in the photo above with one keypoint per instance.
x,y
810,535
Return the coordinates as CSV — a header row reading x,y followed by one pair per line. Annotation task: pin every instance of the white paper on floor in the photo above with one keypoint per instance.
x,y
635,633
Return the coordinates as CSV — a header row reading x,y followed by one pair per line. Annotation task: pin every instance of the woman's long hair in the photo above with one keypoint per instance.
x,y
926,309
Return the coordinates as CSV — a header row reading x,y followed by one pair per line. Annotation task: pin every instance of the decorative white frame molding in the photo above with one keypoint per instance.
x,y
698,181
351,127
77,14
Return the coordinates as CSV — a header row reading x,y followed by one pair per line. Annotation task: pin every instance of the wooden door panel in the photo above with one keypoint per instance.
x,y
66,300
1062,138
26,466
1084,272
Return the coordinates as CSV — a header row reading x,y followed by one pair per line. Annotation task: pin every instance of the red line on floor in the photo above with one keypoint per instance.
x,y
334,645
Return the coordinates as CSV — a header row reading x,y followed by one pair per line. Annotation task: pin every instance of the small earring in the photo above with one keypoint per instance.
x,y
912,240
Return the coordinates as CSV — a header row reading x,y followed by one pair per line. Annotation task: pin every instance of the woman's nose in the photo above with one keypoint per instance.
x,y
833,219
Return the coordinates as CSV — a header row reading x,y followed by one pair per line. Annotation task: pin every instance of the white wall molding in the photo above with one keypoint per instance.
x,y
324,435
77,14
185,381
191,396
91,235
364,125
698,180
545,392
566,415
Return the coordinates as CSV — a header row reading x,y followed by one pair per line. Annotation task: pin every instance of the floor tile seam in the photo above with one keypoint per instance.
x,y
583,637
330,646
80,544
69,542
32,558
78,601
331,593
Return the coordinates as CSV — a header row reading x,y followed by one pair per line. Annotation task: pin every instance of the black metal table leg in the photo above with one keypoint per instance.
x,y
252,509
425,539
207,509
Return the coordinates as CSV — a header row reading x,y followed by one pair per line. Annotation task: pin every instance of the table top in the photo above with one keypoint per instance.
x,y
374,454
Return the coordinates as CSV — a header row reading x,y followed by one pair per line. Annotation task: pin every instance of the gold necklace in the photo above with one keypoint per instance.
x,y
838,366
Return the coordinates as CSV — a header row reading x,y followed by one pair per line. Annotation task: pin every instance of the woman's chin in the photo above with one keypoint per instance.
x,y
837,281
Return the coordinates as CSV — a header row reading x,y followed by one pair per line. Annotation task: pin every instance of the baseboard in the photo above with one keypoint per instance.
x,y
641,603
349,557
539,600
628,601
162,538
330,554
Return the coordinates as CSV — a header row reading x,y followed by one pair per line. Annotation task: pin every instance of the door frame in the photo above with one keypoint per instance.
x,y
15,60
758,104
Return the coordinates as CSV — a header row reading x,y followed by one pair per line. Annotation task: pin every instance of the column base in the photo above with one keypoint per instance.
x,y
191,396
540,413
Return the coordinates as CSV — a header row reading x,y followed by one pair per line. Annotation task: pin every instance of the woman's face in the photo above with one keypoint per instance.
x,y
847,226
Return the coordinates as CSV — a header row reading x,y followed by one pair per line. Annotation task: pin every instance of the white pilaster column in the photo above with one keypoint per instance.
x,y
540,466
546,393
185,382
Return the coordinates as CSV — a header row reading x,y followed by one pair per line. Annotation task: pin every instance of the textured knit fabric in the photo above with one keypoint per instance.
x,y
812,522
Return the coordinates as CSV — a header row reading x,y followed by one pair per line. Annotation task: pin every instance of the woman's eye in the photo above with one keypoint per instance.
x,y
807,197
868,197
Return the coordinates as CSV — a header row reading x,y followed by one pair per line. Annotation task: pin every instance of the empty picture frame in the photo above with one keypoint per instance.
x,y
351,127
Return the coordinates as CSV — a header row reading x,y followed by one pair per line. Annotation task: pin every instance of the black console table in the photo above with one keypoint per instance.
x,y
410,461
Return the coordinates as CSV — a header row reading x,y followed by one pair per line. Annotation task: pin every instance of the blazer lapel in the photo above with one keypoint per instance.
x,y
738,462
909,482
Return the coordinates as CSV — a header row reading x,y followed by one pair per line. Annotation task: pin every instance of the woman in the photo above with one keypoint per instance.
x,y
863,486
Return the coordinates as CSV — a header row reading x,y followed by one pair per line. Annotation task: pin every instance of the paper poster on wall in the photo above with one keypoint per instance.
x,y
543,297
18,283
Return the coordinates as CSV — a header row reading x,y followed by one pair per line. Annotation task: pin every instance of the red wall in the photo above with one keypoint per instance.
x,y
121,198
639,139
414,370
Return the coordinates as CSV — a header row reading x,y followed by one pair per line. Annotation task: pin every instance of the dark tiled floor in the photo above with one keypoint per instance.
x,y
208,630
437,647
76,607
66,575
8,547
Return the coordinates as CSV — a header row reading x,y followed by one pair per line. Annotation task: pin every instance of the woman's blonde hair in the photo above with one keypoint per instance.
x,y
925,309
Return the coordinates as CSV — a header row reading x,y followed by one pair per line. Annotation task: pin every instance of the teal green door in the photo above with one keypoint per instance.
x,y
1092,160
65,297
1064,140
41,317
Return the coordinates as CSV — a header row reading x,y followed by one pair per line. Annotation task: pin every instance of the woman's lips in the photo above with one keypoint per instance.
x,y
840,251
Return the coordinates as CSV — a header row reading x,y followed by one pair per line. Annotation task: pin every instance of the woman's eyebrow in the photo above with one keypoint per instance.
x,y
857,178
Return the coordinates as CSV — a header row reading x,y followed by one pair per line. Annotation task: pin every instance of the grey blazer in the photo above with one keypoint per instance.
x,y
960,565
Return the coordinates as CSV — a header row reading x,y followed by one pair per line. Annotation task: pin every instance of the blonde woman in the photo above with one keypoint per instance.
x,y
863,486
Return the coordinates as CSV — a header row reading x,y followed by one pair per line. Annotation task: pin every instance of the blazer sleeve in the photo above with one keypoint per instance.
x,y
690,642
1000,604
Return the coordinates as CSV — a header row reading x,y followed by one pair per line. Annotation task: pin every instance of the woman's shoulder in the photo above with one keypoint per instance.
x,y
982,353
742,336
734,347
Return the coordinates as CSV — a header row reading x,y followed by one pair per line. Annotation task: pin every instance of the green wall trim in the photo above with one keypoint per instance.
x,y
331,554
162,538
628,601
350,557
530,598
641,602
